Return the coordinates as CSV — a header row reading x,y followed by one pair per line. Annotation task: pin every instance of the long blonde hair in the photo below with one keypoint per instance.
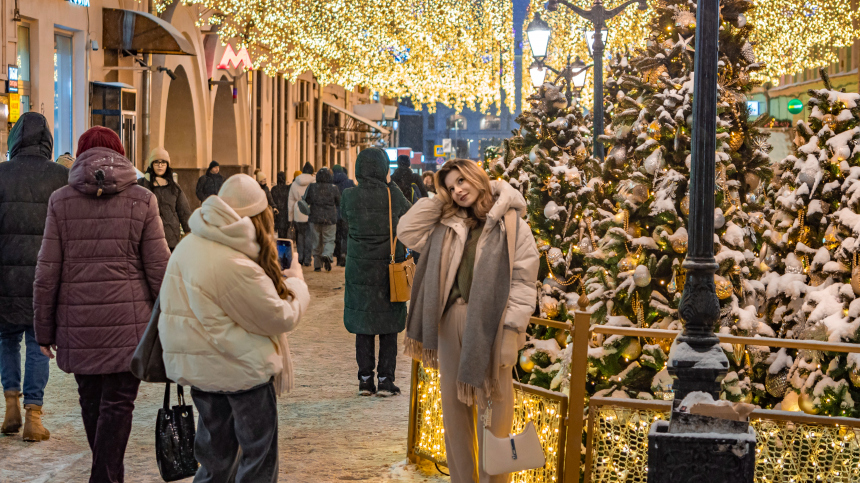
x,y
264,226
477,178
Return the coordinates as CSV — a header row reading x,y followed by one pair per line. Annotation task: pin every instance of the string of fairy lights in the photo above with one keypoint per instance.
x,y
449,51
789,36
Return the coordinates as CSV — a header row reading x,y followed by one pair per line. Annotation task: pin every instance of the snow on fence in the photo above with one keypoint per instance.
x,y
795,448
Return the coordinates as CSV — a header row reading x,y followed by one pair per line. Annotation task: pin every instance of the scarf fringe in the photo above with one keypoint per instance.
x,y
429,358
471,395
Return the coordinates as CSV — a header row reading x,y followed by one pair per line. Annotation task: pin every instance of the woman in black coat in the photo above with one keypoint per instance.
x,y
172,203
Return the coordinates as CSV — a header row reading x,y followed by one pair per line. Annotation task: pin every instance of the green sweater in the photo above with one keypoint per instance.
x,y
465,272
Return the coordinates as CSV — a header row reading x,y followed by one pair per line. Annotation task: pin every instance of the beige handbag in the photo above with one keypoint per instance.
x,y
400,275
517,452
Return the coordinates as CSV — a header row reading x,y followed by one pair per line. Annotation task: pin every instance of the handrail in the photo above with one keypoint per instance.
x,y
732,339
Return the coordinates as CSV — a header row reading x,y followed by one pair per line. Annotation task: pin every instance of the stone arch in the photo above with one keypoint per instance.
x,y
180,125
225,147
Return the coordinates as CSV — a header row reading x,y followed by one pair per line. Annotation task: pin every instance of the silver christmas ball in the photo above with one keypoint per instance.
x,y
641,276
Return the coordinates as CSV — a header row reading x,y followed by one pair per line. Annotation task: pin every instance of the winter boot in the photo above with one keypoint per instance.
x,y
387,388
366,386
341,261
12,421
327,263
33,429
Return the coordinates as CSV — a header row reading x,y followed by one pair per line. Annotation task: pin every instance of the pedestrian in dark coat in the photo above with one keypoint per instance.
x,y
368,310
324,199
172,203
101,264
26,183
342,181
281,197
410,184
210,183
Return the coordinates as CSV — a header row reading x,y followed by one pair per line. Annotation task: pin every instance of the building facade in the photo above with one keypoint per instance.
x,y
167,81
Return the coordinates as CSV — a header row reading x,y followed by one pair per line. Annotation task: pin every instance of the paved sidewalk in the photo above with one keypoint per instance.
x,y
326,432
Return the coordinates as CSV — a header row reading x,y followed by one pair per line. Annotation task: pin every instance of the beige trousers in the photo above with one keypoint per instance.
x,y
464,431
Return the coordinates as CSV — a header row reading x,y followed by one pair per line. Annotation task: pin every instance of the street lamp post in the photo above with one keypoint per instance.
x,y
598,15
695,446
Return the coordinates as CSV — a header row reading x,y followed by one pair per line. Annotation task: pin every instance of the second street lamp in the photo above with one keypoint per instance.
x,y
574,73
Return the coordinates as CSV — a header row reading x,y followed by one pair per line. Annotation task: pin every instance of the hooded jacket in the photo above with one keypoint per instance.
x,y
418,224
342,181
100,266
26,184
222,325
281,197
404,178
367,299
324,199
209,184
172,205
297,191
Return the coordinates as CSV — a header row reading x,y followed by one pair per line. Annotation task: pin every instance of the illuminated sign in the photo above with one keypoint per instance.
x,y
13,79
236,59
83,3
753,108
14,107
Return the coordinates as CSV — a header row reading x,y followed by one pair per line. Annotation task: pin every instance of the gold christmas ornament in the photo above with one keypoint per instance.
x,y
550,307
724,287
541,244
829,120
805,402
679,245
654,130
685,205
633,349
736,140
526,362
561,338
747,397
776,384
854,375
738,352
627,263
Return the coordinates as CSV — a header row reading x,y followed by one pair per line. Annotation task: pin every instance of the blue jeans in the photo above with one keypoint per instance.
x,y
36,367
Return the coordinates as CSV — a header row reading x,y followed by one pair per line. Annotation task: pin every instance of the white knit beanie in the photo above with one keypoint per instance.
x,y
244,195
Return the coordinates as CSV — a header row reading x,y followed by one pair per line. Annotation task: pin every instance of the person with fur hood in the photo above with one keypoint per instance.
x,y
304,242
100,268
172,203
470,330
223,328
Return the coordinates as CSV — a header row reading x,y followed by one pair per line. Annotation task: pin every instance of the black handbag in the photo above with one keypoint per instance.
x,y
174,438
146,362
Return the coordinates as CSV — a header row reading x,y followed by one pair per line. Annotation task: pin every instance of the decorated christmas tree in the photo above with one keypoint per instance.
x,y
811,250
635,275
549,160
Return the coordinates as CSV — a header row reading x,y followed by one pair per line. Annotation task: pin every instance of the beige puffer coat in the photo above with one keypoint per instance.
x,y
416,226
223,326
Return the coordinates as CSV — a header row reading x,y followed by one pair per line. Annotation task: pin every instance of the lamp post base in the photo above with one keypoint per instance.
x,y
704,456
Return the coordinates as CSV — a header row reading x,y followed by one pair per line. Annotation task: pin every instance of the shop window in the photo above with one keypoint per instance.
x,y
63,120
456,123
491,123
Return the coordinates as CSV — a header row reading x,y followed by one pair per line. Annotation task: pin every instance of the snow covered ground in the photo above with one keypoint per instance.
x,y
326,432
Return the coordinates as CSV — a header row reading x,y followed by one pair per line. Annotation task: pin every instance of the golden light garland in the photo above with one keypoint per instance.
x,y
785,451
789,36
449,51
545,413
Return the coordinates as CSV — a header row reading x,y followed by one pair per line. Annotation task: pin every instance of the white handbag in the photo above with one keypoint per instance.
x,y
517,452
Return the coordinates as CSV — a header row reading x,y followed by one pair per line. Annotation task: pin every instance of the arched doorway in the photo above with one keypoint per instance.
x,y
180,129
225,148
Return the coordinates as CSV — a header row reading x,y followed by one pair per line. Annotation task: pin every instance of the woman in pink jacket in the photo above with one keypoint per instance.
x,y
99,270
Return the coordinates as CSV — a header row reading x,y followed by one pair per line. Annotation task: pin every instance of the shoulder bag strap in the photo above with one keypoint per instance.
x,y
167,396
391,236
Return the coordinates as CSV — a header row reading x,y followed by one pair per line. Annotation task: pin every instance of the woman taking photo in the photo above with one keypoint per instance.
x,y
472,230
172,203
223,329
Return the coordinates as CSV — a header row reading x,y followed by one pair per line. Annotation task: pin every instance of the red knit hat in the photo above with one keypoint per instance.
x,y
100,137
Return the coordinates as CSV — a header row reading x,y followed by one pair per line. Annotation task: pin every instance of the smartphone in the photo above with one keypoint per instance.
x,y
285,252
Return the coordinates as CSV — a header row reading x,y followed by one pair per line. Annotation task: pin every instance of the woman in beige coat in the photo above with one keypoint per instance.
x,y
472,230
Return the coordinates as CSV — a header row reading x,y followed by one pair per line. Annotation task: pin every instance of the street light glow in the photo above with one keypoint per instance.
x,y
538,74
538,32
589,38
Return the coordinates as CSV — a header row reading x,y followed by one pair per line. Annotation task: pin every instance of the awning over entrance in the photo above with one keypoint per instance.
x,y
360,119
142,33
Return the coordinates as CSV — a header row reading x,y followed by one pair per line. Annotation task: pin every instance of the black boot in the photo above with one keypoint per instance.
x,y
366,387
387,388
327,263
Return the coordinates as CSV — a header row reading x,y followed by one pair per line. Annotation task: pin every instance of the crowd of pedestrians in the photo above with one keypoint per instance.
x,y
88,250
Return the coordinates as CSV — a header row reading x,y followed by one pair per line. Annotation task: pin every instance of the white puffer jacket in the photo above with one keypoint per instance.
x,y
297,191
223,326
